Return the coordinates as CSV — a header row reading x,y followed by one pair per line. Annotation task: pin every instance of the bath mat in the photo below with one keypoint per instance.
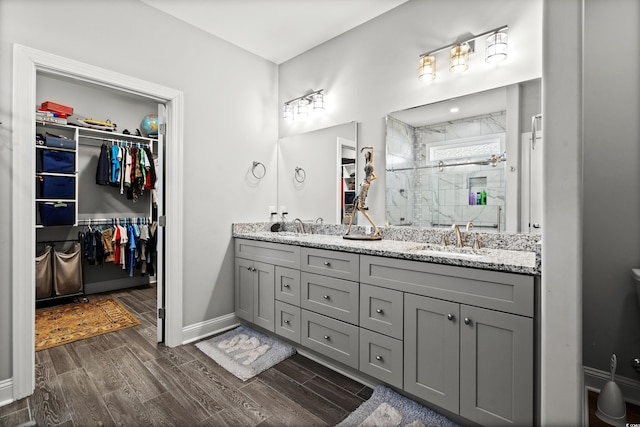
x,y
244,352
69,323
389,409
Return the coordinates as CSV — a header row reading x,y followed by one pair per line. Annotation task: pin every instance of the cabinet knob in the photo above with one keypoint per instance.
x,y
285,285
378,357
327,263
249,268
327,337
450,316
379,311
467,321
326,297
287,322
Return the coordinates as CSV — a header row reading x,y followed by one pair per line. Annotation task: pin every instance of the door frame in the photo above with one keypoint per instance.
x,y
27,62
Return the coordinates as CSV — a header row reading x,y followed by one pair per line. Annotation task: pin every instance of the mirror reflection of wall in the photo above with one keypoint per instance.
x,y
320,154
447,162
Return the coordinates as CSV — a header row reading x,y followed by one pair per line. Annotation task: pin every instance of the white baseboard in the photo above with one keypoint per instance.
x,y
595,380
6,391
209,327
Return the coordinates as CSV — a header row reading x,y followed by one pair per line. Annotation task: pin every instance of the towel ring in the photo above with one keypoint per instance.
x,y
300,175
253,170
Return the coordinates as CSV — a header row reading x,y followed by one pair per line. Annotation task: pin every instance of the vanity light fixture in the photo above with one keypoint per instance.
x,y
298,108
459,57
496,50
427,68
459,51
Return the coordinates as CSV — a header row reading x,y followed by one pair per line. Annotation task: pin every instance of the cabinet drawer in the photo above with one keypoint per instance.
x,y
271,253
341,265
508,292
330,337
381,310
288,285
288,321
381,357
331,297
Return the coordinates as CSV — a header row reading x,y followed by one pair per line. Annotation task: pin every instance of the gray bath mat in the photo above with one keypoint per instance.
x,y
386,408
244,352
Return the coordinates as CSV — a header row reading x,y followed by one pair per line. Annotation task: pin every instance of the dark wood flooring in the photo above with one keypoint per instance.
x,y
124,378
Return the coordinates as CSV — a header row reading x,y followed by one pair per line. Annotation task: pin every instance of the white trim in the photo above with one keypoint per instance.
x,y
27,62
595,379
6,392
207,328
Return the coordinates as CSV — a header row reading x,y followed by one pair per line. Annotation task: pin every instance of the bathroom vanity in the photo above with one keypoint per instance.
x,y
453,327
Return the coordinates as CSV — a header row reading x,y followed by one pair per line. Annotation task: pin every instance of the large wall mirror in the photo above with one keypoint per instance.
x,y
467,159
316,173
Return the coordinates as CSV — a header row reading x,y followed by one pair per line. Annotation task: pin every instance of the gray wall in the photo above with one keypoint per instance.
x,y
611,242
230,119
371,70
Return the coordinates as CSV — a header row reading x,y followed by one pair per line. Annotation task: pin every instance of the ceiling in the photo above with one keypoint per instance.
x,y
276,30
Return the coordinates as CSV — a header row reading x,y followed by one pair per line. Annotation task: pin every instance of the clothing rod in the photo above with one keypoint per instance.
x,y
114,220
117,141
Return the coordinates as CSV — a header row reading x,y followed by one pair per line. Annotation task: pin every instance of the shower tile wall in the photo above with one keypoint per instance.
x,y
428,197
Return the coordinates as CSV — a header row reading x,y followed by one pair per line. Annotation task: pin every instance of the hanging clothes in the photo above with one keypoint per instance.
x,y
103,170
107,244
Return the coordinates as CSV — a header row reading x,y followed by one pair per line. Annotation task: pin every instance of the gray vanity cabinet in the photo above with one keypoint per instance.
x,y
432,350
470,360
254,292
256,264
496,367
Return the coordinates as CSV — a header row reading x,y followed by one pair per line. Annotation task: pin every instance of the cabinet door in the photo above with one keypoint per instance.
x,y
264,296
244,289
496,367
431,350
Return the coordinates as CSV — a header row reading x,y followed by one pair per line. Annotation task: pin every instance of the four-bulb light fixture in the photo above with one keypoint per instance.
x,y
300,107
495,51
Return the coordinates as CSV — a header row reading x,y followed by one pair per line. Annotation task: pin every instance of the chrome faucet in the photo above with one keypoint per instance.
x,y
300,228
456,229
319,220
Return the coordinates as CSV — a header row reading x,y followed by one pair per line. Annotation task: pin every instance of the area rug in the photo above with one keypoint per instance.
x,y
62,325
390,409
244,352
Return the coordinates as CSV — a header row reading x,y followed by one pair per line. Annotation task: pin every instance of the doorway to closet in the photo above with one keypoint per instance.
x,y
31,65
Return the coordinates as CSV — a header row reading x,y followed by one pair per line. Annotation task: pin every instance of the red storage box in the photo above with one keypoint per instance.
x,y
59,108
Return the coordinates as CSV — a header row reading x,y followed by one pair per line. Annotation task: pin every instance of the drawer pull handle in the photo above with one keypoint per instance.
x,y
380,311
450,316
327,337
379,357
467,321
327,297
327,263
287,322
286,285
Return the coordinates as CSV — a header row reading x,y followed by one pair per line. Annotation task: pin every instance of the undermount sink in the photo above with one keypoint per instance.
x,y
441,250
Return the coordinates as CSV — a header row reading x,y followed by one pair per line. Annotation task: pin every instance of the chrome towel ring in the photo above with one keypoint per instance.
x,y
256,165
300,175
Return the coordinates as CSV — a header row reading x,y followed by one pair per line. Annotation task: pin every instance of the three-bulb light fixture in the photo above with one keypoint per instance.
x,y
495,51
302,106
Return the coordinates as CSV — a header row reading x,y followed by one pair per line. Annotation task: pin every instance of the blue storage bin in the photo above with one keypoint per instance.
x,y
56,142
63,213
54,161
55,187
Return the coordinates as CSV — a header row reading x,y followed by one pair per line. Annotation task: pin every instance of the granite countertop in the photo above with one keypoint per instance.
x,y
522,260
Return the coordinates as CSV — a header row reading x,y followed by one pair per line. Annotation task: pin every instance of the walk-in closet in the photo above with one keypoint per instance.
x,y
98,191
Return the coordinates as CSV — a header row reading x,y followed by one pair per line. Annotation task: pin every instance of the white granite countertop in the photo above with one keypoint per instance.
x,y
507,260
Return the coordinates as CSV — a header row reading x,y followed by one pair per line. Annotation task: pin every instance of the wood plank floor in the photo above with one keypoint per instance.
x,y
124,378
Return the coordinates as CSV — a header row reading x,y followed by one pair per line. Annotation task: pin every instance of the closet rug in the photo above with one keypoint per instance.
x,y
388,408
69,323
244,352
